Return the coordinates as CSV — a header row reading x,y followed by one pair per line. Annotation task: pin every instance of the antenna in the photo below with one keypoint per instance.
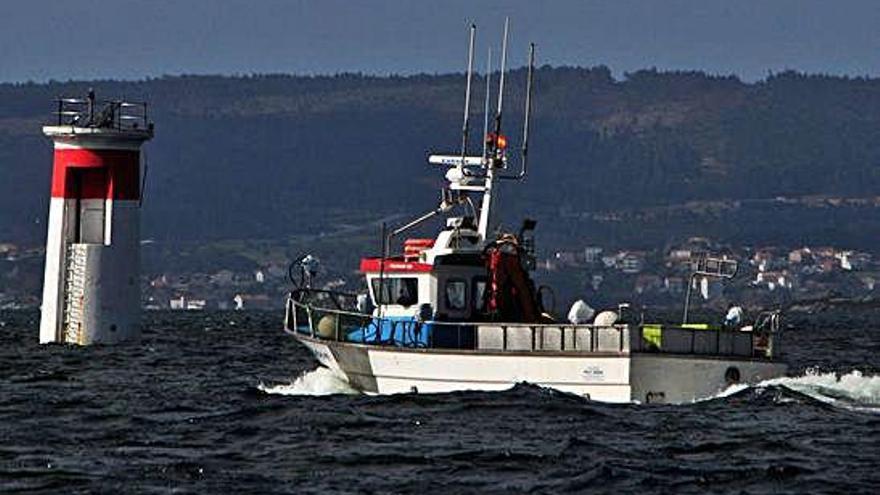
x,y
528,112
488,97
527,118
467,95
501,77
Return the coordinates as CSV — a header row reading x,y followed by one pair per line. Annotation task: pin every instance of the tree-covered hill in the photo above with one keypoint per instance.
x,y
271,156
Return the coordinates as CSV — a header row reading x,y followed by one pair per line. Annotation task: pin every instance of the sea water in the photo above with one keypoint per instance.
x,y
227,403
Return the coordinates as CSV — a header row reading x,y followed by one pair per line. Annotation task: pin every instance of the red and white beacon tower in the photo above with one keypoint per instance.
x,y
91,292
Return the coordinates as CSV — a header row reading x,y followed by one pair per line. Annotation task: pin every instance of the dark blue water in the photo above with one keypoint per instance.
x,y
208,403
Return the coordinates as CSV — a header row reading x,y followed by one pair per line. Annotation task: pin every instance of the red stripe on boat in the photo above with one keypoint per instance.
x,y
373,265
422,243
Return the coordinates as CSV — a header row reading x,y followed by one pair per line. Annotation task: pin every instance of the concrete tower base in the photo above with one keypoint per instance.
x,y
91,292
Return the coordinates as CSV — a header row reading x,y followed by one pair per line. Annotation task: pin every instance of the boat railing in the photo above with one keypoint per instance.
x,y
704,340
333,299
321,322
553,337
341,325
351,326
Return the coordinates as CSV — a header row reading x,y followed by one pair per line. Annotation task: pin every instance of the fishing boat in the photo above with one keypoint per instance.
x,y
461,311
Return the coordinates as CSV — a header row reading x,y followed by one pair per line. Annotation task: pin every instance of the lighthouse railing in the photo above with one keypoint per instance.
x,y
120,115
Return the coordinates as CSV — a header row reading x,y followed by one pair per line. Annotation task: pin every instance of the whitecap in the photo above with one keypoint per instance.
x,y
852,390
727,392
319,381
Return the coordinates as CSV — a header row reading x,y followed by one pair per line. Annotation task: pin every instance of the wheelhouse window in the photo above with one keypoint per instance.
x,y
480,294
396,290
456,294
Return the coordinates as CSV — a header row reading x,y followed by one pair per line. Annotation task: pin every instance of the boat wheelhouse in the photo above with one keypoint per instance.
x,y
460,311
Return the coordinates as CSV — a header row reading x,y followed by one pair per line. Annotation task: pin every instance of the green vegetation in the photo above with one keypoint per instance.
x,y
271,157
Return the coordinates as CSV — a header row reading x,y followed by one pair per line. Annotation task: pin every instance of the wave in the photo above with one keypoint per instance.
x,y
853,390
319,381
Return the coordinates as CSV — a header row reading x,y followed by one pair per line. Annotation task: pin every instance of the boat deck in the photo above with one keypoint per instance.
x,y
411,333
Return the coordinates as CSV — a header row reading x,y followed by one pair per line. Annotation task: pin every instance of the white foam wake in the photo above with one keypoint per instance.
x,y
730,390
853,390
319,381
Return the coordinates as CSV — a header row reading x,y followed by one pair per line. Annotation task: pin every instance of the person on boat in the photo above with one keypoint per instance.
x,y
734,317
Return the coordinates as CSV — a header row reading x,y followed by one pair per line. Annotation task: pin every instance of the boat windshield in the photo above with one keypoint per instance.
x,y
396,290
456,294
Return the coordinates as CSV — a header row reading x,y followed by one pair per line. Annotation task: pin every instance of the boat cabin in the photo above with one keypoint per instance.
x,y
442,279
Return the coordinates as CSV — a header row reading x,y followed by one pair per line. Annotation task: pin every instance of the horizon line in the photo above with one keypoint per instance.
x,y
619,77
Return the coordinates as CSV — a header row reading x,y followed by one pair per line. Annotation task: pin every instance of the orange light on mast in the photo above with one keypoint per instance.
x,y
499,140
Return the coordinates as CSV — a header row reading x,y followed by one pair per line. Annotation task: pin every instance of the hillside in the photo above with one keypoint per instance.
x,y
643,159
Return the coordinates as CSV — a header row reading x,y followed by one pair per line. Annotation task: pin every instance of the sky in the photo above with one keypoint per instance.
x,y
133,39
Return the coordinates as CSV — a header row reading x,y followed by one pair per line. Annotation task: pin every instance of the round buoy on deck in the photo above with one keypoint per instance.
x,y
327,327
606,319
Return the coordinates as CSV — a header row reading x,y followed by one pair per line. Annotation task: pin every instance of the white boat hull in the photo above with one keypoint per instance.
x,y
607,377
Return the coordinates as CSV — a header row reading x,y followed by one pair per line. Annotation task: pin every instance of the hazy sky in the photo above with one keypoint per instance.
x,y
132,39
